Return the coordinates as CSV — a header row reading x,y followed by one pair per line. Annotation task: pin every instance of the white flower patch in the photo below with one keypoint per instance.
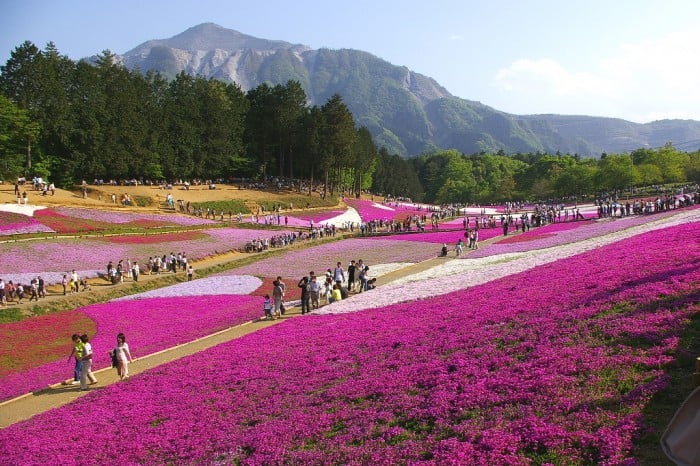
x,y
382,269
460,274
349,216
382,206
219,285
27,210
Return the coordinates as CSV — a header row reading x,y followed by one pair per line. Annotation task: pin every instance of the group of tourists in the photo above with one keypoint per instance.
x,y
10,291
83,352
334,285
167,263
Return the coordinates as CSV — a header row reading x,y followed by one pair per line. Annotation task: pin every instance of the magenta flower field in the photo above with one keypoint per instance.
x,y
369,210
553,365
150,324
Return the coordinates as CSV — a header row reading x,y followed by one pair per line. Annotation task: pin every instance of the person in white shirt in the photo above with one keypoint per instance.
x,y
123,356
86,369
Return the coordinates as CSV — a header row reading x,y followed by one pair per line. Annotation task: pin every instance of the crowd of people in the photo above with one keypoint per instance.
x,y
315,291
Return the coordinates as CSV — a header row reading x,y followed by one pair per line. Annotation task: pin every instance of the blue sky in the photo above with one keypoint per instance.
x,y
632,59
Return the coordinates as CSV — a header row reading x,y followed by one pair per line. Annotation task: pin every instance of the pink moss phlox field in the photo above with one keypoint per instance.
x,y
17,224
550,366
150,325
51,258
318,217
369,210
448,237
556,234
132,217
319,258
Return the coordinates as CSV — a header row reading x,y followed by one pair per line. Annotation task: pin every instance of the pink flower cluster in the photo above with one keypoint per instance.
x,y
17,224
150,325
550,366
132,217
369,210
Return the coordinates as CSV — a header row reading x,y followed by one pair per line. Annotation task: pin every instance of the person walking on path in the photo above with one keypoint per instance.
x,y
123,356
86,370
351,275
305,295
135,271
314,291
277,295
77,352
267,307
339,273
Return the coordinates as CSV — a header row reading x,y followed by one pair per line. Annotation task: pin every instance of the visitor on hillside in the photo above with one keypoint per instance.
x,y
77,353
335,294
339,273
86,369
267,307
277,296
135,271
474,239
190,273
42,287
75,281
20,293
351,275
34,290
123,357
305,295
343,290
314,291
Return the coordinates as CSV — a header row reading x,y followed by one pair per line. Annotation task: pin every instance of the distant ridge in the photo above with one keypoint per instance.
x,y
406,112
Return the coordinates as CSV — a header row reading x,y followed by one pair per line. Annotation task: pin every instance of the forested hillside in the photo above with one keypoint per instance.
x,y
71,121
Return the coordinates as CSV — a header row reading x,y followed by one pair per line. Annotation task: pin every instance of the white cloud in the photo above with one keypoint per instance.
x,y
641,82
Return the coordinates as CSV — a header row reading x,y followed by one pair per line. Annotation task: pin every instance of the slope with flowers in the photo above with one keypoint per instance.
x,y
153,320
549,360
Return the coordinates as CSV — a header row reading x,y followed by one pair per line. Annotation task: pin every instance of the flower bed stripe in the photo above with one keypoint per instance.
x,y
150,325
520,370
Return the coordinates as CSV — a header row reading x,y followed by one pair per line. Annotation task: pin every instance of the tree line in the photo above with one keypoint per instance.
x,y
76,120
71,121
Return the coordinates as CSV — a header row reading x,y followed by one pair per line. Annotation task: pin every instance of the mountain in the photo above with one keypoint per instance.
x,y
406,112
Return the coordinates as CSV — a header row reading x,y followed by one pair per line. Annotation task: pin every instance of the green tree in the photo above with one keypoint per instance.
x,y
364,161
15,130
337,136
616,173
260,129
